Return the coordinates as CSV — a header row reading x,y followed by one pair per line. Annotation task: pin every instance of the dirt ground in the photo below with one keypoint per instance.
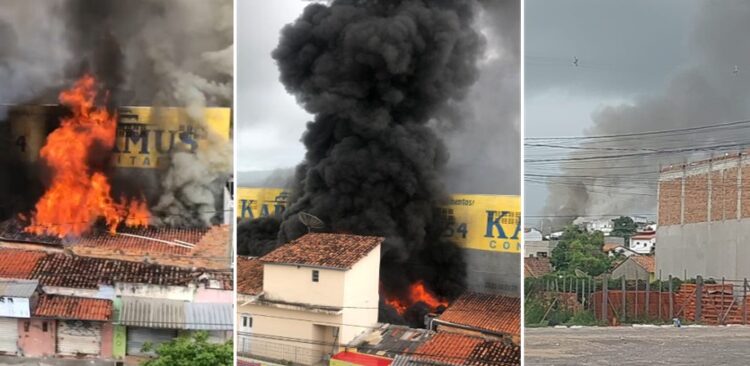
x,y
637,346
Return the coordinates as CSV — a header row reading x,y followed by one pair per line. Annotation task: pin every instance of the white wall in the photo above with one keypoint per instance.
x,y
15,307
294,284
361,298
183,293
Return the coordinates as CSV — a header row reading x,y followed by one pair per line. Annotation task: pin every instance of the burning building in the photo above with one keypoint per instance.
x,y
382,88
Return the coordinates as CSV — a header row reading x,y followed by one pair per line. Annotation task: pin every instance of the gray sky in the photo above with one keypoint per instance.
x,y
269,121
626,50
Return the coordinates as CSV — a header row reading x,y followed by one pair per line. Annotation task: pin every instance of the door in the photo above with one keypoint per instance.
x,y
9,335
78,337
137,337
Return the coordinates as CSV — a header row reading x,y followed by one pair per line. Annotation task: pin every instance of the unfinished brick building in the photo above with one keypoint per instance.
x,y
704,218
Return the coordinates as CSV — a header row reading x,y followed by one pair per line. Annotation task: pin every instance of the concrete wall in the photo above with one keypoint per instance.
x,y
36,342
291,283
15,307
270,321
209,295
183,293
361,297
531,248
712,249
493,272
108,333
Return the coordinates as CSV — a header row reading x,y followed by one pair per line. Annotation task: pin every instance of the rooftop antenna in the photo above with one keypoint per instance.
x,y
311,221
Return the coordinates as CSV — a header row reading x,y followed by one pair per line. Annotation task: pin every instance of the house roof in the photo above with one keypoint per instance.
x,y
644,236
249,276
536,266
488,312
185,247
64,270
17,288
610,247
338,251
71,307
390,340
175,314
361,359
463,350
16,263
647,262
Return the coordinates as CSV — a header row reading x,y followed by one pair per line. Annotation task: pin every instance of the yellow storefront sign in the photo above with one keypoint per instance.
x,y
483,222
143,143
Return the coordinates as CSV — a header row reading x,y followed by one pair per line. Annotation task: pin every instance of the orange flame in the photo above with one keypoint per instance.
x,y
79,196
417,293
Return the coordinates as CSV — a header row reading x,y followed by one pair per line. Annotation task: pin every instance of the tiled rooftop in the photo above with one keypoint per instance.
x,y
70,307
493,313
165,240
391,340
249,276
536,266
340,251
85,272
646,261
463,350
18,263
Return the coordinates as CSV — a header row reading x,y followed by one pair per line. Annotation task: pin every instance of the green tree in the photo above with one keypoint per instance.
x,y
580,250
191,350
623,227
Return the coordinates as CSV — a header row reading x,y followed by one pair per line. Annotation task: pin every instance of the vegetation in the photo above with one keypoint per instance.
x,y
191,350
580,250
623,227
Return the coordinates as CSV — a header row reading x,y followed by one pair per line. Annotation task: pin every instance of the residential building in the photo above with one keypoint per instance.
x,y
636,267
704,218
592,224
535,267
617,249
16,297
644,242
483,315
318,292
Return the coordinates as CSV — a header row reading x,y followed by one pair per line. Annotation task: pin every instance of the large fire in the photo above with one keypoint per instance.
x,y
80,195
417,293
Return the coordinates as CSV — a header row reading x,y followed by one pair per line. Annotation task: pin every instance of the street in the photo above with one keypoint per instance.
x,y
637,346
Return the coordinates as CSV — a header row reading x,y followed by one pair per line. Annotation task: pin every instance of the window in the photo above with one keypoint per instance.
x,y
316,275
247,322
44,326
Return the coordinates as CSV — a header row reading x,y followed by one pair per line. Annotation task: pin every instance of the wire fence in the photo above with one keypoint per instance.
x,y
581,300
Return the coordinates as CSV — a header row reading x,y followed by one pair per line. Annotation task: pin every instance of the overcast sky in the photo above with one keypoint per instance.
x,y
269,121
626,49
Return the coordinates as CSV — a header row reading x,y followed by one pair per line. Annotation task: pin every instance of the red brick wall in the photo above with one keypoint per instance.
x,y
696,198
730,190
669,202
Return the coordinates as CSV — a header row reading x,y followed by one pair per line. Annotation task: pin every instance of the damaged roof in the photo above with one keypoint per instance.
x,y
145,240
71,307
390,340
336,251
463,350
488,312
249,276
63,270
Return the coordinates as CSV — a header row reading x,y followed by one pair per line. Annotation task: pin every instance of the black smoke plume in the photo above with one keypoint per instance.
x,y
257,237
374,74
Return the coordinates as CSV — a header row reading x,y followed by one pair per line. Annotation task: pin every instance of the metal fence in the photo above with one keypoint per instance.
x,y
277,351
582,300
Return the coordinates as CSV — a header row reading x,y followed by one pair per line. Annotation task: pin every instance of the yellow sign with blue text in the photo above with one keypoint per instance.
x,y
143,143
483,222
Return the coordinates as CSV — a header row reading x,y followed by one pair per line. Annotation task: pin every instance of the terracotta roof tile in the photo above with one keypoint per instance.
x,y
536,266
71,307
340,251
18,263
122,241
249,276
494,313
85,272
646,261
463,350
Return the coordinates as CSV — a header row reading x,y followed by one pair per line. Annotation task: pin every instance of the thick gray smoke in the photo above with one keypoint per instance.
x,y
484,138
705,92
374,74
163,53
